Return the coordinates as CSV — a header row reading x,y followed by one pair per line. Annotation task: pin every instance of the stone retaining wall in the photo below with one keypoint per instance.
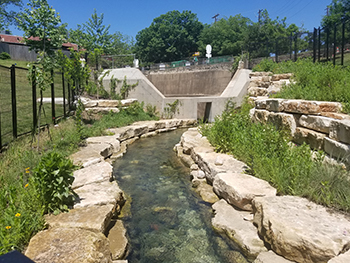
x,y
317,123
268,228
92,232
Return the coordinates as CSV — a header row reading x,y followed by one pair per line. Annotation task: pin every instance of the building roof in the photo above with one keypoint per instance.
x,y
20,40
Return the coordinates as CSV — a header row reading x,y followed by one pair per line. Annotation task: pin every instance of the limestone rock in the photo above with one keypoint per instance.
x,y
192,138
277,77
112,140
317,123
270,257
283,121
69,245
240,189
259,115
127,102
342,258
310,107
149,134
257,91
275,105
99,194
340,131
259,74
92,152
108,103
310,137
232,223
300,230
337,150
260,103
334,115
152,125
206,192
90,103
118,241
94,218
206,162
92,174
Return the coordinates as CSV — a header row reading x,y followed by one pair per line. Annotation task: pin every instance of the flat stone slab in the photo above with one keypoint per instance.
x,y
243,232
91,152
102,193
94,218
240,189
69,245
342,258
317,123
313,138
213,163
340,131
337,150
192,138
270,257
206,192
92,174
112,140
300,230
118,241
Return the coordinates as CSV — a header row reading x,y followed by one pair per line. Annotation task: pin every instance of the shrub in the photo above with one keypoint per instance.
x,y
5,55
53,180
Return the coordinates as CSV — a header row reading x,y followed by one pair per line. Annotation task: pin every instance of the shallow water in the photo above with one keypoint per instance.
x,y
167,221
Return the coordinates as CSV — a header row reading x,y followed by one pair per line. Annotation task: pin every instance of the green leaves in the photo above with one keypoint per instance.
x,y
53,180
171,36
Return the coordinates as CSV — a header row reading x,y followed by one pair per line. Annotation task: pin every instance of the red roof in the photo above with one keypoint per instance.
x,y
20,40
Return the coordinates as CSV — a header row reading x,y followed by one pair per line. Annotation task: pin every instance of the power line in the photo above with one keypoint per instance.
x,y
301,9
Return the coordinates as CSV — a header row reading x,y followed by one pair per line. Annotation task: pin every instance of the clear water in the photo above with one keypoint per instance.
x,y
167,222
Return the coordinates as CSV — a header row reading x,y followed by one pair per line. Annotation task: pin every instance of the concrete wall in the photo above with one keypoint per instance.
x,y
197,83
190,107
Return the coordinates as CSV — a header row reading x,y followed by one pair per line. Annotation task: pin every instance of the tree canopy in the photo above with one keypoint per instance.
x,y
42,26
94,34
338,10
7,17
226,36
171,36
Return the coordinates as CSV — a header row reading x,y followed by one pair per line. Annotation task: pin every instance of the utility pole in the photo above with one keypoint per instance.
x,y
259,17
327,9
215,17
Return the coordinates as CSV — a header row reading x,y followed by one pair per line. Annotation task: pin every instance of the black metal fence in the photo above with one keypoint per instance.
x,y
20,100
323,44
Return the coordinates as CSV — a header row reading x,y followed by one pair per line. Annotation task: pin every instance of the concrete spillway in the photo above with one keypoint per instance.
x,y
202,95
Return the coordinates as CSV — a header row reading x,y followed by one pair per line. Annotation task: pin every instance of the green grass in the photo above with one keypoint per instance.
x,y
24,103
313,81
18,196
267,151
10,62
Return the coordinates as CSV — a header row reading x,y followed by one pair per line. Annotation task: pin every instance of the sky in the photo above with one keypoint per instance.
x,y
131,16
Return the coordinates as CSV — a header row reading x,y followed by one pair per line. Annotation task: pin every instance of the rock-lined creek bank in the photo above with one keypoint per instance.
x,y
268,228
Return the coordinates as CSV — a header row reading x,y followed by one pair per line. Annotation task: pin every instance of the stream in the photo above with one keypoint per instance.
x,y
167,220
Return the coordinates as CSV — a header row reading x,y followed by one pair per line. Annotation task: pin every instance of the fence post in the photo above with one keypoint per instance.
x,y
314,43
291,45
276,50
296,47
53,113
327,42
319,45
0,133
34,98
342,43
64,95
14,102
334,44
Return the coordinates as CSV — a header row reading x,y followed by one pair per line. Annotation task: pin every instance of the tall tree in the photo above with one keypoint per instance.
x,y
45,33
338,10
226,36
94,34
171,36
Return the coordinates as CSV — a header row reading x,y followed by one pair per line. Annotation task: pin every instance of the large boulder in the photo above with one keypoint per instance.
x,y
94,218
69,245
300,230
240,189
235,225
213,163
